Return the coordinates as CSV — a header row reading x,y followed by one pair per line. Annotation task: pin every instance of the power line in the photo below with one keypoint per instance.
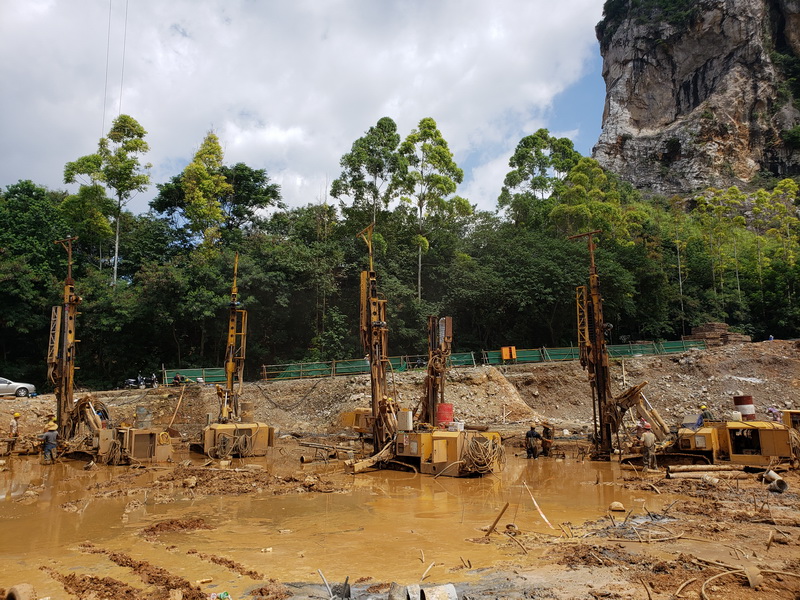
x,y
124,44
105,84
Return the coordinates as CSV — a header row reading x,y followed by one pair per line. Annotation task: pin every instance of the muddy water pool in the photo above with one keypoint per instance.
x,y
389,525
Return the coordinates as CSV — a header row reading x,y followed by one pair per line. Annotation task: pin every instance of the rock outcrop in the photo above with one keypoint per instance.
x,y
699,100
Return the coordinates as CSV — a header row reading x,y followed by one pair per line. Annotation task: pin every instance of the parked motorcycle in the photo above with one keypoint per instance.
x,y
141,382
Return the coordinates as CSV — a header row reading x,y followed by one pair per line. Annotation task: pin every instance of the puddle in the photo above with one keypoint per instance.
x,y
390,527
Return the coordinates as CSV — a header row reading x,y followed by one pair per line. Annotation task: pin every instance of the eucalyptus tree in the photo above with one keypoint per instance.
x,y
117,165
428,177
368,168
540,161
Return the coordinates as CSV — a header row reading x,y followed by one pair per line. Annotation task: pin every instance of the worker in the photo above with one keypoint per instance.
x,y
13,432
649,448
705,415
50,442
547,438
178,379
49,420
532,438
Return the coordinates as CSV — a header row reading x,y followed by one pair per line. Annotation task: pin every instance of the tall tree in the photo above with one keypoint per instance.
x,y
205,188
368,168
117,165
427,177
540,161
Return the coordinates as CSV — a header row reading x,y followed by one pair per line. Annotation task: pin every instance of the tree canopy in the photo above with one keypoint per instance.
x,y
507,276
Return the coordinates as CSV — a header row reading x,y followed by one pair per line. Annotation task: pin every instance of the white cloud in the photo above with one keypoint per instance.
x,y
287,86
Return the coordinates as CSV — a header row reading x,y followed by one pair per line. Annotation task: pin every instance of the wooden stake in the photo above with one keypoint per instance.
x,y
495,522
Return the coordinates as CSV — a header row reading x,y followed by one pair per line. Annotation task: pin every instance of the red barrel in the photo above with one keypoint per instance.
x,y
444,413
744,404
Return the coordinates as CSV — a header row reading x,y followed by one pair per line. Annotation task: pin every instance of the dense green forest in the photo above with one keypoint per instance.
x,y
156,286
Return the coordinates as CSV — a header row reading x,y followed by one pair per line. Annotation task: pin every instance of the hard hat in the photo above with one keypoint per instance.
x,y
52,427
702,406
647,426
17,415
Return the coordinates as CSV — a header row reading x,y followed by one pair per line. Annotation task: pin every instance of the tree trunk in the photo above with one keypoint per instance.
x,y
116,241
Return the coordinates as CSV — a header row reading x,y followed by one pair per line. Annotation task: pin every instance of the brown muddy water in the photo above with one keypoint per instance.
x,y
390,526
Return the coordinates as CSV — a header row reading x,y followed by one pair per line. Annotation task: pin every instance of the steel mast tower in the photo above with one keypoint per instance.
x,y
594,353
61,348
375,339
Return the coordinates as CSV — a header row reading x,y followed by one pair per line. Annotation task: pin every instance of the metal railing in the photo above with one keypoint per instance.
x,y
360,366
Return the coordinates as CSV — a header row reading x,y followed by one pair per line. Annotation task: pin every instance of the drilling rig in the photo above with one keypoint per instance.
x,y
440,342
232,434
61,348
234,355
423,444
85,427
593,353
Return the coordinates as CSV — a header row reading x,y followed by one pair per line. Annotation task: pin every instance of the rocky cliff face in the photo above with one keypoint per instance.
x,y
699,101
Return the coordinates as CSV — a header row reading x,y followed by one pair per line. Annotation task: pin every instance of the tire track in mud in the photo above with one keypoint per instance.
x,y
228,564
149,573
101,588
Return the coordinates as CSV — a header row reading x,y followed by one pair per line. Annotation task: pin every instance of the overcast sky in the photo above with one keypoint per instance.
x,y
288,85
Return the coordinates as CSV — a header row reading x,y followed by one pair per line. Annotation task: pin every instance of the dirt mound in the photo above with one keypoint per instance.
x,y
174,525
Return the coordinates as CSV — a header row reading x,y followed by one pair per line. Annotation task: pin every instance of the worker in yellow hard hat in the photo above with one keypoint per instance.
x,y
50,419
705,415
13,432
50,440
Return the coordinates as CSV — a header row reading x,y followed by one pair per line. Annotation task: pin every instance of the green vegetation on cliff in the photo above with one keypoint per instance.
x,y
678,13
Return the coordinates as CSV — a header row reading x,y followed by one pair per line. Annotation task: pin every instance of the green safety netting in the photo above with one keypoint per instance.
x,y
492,357
529,356
681,346
462,359
631,349
560,353
207,375
351,367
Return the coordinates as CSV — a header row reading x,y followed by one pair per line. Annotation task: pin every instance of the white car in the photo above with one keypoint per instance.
x,y
11,388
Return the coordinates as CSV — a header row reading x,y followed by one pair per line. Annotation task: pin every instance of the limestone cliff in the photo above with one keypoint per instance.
x,y
700,96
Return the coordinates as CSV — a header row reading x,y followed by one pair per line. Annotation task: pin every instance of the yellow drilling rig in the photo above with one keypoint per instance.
x,y
85,426
427,444
608,411
234,433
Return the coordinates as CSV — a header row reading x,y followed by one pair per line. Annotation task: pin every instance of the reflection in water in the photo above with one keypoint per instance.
x,y
380,529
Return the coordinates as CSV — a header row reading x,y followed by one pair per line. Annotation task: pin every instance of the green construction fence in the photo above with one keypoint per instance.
x,y
470,359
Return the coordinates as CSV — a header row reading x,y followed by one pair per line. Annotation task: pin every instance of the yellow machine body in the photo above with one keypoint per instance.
x,y
754,443
237,439
439,451
141,445
359,420
791,418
